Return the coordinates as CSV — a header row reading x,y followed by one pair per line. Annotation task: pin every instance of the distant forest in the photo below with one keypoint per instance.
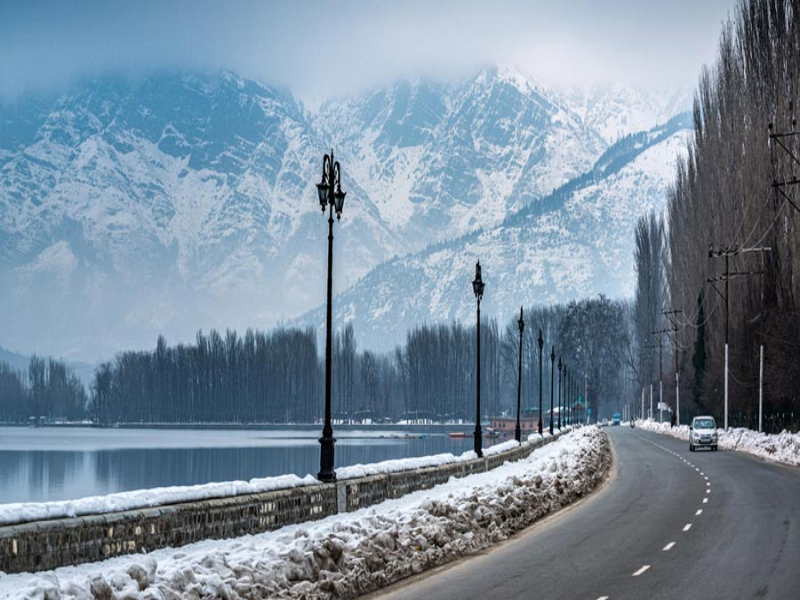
x,y
724,207
278,377
47,388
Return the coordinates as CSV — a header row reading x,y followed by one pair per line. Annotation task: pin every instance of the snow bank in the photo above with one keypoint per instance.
x,y
402,464
781,447
546,433
419,462
37,511
351,553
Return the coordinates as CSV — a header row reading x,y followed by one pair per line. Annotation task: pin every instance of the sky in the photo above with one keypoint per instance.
x,y
325,49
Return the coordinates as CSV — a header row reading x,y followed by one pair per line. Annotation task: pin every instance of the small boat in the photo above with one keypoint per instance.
x,y
491,433
459,434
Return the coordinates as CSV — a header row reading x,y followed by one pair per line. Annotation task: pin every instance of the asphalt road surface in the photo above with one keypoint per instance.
x,y
669,524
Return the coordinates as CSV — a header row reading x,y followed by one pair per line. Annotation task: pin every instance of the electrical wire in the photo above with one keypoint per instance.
x,y
775,220
708,316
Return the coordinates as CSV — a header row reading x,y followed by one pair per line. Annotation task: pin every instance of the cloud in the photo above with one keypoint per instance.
x,y
319,49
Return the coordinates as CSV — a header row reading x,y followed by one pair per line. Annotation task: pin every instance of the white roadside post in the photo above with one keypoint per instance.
x,y
651,416
677,398
641,414
726,386
660,401
761,389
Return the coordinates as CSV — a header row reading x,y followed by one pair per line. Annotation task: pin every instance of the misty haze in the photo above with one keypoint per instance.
x,y
430,300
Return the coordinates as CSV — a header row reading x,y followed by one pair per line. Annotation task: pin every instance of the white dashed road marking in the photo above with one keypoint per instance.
x,y
642,570
687,527
668,546
698,513
705,500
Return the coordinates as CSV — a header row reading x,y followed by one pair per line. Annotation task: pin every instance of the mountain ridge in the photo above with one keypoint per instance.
x,y
184,201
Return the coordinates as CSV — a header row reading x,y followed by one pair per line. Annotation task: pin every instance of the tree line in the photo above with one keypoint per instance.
x,y
278,377
47,388
723,207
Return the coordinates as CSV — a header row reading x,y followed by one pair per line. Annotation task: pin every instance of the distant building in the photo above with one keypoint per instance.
x,y
528,422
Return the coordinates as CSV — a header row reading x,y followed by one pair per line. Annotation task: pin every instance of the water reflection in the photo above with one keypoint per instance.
x,y
46,475
38,475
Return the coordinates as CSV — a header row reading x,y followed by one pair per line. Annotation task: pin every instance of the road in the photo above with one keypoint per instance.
x,y
669,524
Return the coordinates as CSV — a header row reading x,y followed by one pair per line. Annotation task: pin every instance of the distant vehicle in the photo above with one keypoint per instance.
x,y
617,419
604,423
703,433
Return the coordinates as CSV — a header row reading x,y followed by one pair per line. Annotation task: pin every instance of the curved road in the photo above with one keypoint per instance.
x,y
642,535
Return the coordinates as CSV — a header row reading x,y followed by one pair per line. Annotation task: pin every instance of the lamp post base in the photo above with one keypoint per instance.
x,y
541,428
326,472
478,439
518,433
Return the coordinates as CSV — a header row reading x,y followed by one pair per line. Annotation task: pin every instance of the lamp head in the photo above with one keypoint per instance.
x,y
477,283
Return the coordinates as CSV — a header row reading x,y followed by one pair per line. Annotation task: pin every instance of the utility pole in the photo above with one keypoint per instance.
x,y
726,253
641,414
586,395
660,374
778,139
673,330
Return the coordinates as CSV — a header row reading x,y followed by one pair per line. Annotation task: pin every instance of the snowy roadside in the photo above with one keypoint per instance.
x,y
781,447
350,553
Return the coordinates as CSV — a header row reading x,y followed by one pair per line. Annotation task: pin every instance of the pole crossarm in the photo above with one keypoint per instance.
x,y
733,274
777,186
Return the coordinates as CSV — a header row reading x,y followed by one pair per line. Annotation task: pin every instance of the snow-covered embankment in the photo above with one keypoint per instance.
x,y
781,447
350,553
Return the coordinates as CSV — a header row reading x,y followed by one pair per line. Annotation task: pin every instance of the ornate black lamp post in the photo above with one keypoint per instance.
x,y
521,323
477,287
559,392
541,345
552,371
331,196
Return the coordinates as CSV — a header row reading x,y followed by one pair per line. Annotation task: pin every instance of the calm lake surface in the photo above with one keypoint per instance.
x,y
45,464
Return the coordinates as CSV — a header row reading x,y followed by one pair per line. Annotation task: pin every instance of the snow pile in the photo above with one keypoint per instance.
x,y
351,553
435,460
534,437
781,447
36,511
405,464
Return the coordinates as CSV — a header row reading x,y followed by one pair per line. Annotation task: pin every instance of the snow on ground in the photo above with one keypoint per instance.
x,y
781,447
36,511
351,553
435,460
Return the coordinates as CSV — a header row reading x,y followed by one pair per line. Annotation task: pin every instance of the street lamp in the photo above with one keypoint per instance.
x,y
521,323
541,345
552,370
477,287
331,196
559,392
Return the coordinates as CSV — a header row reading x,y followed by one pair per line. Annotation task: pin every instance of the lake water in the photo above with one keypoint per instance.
x,y
45,464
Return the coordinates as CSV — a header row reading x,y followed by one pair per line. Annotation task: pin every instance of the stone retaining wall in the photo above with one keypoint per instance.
x,y
44,545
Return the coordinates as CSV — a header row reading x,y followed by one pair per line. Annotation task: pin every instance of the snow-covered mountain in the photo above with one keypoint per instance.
x,y
577,242
130,208
440,161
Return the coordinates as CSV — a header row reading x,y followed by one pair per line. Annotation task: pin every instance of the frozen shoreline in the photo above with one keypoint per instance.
x,y
349,553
